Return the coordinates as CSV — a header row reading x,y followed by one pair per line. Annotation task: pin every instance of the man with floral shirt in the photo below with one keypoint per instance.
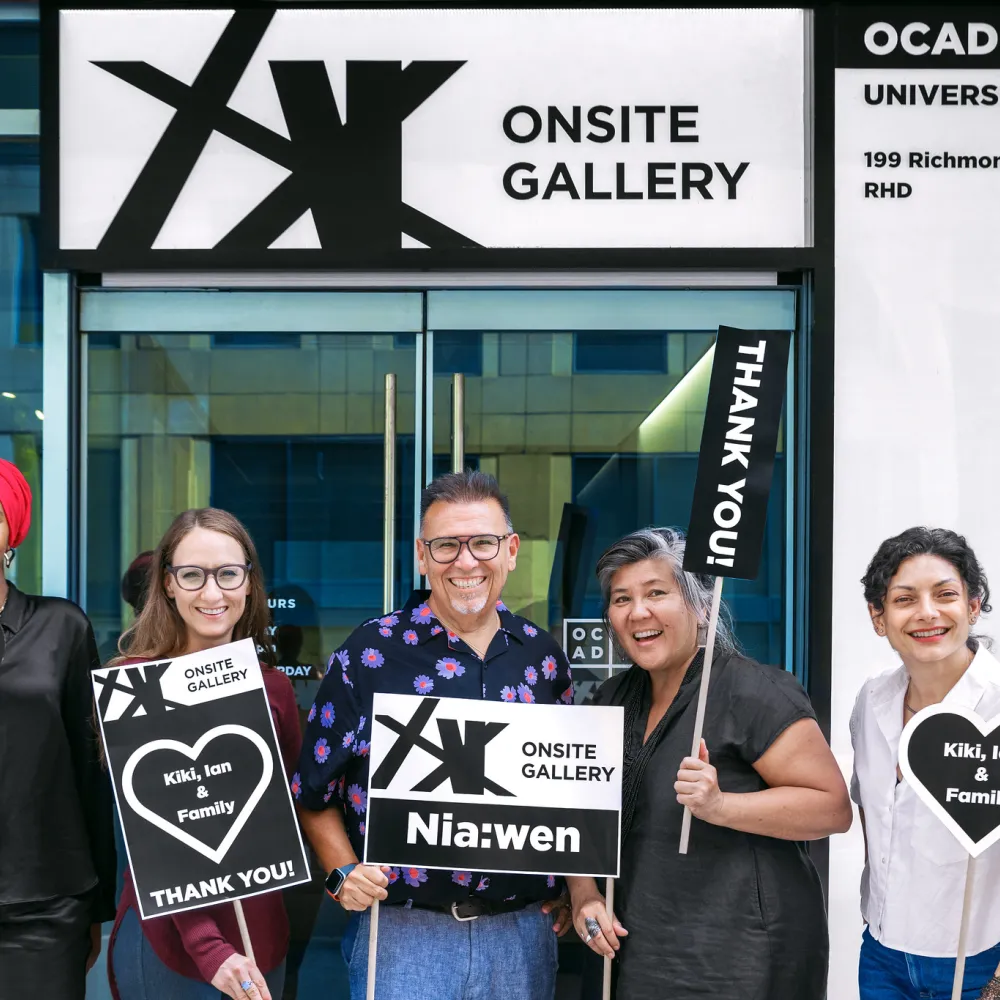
x,y
443,935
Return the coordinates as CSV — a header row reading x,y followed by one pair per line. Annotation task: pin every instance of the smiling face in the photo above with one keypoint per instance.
x,y
209,614
469,586
653,624
926,612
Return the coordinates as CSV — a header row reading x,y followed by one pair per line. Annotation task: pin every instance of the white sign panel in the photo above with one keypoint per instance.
x,y
917,353
488,786
238,134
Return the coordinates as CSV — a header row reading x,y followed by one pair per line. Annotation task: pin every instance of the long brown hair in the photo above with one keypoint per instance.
x,y
159,630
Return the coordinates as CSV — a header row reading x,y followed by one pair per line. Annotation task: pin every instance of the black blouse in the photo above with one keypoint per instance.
x,y
56,813
741,916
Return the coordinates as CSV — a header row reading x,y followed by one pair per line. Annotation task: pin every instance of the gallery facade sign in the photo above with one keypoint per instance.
x,y
251,137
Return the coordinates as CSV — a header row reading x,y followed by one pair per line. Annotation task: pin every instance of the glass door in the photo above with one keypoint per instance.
x,y
588,408
272,406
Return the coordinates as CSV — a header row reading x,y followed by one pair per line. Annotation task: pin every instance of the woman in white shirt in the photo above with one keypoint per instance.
x,y
925,590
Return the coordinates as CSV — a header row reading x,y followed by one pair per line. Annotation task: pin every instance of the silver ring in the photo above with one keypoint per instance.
x,y
247,985
588,939
593,926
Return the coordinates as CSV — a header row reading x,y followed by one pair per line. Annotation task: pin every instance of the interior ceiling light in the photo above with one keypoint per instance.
x,y
39,414
8,395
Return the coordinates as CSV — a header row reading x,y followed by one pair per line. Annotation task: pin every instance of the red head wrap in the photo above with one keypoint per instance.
x,y
15,498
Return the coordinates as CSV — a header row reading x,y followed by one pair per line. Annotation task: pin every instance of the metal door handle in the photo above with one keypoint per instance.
x,y
457,422
389,497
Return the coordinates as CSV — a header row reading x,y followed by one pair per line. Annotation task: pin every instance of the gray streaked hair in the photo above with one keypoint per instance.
x,y
696,588
470,486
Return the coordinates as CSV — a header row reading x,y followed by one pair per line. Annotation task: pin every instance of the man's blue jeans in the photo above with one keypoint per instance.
x,y
887,974
427,955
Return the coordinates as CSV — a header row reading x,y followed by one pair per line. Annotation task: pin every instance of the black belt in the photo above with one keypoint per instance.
x,y
470,909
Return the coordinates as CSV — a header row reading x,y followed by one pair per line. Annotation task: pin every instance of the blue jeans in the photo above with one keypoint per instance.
x,y
142,976
427,955
887,974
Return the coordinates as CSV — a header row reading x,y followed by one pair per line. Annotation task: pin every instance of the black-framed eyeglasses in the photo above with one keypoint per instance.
x,y
195,577
447,549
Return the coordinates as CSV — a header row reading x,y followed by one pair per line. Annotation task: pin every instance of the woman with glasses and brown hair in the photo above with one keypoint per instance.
x,y
205,590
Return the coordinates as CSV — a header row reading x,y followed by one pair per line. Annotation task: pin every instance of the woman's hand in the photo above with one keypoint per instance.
x,y
991,991
236,971
697,787
589,906
95,946
363,885
564,913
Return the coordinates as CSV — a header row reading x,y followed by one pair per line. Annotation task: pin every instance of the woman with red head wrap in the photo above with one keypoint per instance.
x,y
57,846
15,509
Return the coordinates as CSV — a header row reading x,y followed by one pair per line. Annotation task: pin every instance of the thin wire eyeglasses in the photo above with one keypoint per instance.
x,y
195,577
447,549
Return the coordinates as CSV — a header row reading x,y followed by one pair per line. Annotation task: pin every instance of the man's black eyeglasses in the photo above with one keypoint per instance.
x,y
447,550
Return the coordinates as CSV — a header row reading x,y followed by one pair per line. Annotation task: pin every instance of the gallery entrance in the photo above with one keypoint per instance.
x,y
586,403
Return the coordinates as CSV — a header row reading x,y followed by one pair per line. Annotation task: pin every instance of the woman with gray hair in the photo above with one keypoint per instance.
x,y
741,916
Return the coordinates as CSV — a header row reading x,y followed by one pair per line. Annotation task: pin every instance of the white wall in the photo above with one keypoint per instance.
x,y
917,417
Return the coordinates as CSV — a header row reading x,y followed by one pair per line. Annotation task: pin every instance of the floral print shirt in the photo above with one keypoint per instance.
x,y
410,652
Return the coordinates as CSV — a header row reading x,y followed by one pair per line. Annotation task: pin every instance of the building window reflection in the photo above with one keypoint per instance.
x,y
21,408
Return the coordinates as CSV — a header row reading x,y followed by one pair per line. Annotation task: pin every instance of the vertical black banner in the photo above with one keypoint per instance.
x,y
736,460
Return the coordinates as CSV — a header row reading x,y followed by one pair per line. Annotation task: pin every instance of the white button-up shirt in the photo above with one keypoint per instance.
x,y
914,878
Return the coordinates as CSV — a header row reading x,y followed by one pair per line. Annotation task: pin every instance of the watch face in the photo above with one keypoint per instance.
x,y
336,878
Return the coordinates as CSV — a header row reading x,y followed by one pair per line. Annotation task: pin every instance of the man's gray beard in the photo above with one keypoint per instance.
x,y
465,608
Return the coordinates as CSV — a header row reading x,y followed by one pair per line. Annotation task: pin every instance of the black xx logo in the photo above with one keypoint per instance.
x,y
464,763
143,692
346,169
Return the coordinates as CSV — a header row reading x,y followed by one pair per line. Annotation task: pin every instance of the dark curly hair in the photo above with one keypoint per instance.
x,y
947,544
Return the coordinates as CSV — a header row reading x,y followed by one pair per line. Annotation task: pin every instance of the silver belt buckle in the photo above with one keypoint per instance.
x,y
454,913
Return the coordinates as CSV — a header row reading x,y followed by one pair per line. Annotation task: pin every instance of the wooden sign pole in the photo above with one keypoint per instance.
x,y
956,986
241,920
372,951
699,719
609,905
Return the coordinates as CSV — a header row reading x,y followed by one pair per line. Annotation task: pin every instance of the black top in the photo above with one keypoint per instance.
x,y
741,916
56,814
411,652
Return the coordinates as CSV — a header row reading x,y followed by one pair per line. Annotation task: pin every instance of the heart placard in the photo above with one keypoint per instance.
x,y
951,758
215,854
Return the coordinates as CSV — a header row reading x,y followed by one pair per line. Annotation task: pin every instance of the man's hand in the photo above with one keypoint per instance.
x,y
362,887
564,913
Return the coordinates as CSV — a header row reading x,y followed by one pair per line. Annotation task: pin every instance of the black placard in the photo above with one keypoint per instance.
x,y
951,758
492,786
736,460
939,37
199,780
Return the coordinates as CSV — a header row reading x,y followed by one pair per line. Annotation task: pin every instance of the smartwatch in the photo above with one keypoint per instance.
x,y
335,880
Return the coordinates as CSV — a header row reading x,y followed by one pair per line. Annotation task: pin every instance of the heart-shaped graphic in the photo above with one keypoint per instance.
x,y
215,854
951,758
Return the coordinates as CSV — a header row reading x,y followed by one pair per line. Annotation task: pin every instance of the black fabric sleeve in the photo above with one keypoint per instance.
x,y
764,702
93,782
